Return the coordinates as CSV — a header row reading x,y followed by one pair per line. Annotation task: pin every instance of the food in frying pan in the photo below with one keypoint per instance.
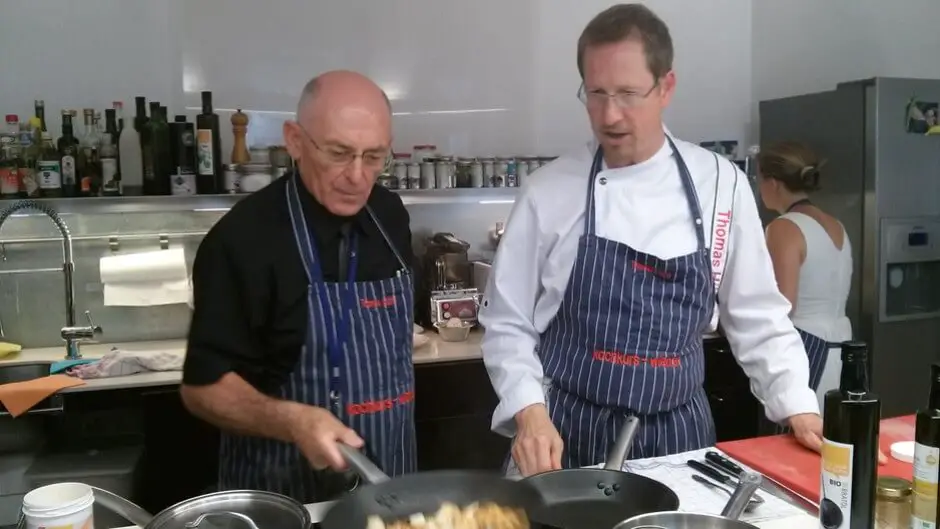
x,y
449,516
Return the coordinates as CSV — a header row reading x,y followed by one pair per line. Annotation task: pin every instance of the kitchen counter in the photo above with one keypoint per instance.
x,y
436,351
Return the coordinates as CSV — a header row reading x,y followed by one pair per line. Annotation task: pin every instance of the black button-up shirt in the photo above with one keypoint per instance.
x,y
250,288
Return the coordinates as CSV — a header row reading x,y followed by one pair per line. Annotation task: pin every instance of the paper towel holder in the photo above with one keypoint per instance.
x,y
114,244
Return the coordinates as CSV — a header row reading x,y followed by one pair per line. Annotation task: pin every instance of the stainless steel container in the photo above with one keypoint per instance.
x,y
428,180
444,169
489,171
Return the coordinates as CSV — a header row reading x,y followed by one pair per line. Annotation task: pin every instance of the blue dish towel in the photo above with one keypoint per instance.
x,y
62,365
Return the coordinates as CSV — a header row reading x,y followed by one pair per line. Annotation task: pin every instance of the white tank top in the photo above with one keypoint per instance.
x,y
825,280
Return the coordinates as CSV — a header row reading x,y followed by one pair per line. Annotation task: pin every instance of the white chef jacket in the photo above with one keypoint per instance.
x,y
645,207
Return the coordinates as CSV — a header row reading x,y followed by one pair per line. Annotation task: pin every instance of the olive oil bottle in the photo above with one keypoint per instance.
x,y
924,512
850,446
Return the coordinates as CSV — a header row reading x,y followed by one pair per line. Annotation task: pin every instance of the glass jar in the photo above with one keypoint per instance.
x,y
893,505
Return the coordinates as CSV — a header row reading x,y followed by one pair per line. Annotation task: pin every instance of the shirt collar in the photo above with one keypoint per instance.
x,y
326,225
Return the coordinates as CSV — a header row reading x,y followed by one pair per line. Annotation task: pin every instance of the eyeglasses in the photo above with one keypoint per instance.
x,y
341,157
625,99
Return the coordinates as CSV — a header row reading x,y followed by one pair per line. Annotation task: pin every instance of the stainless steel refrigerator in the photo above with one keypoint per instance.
x,y
882,180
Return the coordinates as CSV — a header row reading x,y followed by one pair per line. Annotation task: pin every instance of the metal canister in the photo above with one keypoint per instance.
x,y
489,171
414,175
500,172
444,170
512,179
463,175
387,180
232,176
427,174
476,173
401,174
523,168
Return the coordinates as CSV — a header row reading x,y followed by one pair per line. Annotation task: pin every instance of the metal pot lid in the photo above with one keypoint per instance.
x,y
236,509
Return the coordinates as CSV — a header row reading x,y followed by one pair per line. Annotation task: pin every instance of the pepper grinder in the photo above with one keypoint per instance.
x,y
240,130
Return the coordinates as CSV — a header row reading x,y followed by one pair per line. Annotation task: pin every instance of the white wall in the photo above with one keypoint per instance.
x,y
802,46
483,77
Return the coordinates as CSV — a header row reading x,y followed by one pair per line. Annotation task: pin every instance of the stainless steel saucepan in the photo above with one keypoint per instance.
x,y
248,509
728,519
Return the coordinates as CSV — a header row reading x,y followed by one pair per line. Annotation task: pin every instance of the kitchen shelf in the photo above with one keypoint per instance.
x,y
210,203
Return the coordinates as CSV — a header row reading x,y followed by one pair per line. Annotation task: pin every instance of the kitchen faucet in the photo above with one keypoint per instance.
x,y
71,333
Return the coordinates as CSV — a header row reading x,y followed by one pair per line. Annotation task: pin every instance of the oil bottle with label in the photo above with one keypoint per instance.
x,y
924,508
850,446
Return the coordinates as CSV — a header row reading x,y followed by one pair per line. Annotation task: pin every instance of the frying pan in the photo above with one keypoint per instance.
x,y
601,498
728,519
423,492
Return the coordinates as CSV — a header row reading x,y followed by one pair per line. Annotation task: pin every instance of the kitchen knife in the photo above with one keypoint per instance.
x,y
712,473
723,463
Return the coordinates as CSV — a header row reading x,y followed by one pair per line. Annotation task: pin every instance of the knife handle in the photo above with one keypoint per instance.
x,y
710,472
723,463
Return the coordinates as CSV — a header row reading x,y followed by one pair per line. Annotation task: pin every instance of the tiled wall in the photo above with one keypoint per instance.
x,y
32,307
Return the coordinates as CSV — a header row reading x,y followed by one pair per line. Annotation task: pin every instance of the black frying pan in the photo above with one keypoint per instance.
x,y
599,498
424,492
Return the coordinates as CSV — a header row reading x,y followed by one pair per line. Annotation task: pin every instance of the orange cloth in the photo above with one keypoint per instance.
x,y
19,397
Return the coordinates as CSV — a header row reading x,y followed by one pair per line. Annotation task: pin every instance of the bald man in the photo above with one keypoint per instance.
x,y
301,334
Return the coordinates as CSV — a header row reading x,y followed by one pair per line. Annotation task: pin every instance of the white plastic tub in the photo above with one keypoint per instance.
x,y
61,505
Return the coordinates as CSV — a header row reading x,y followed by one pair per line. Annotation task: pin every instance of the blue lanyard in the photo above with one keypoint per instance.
x,y
336,342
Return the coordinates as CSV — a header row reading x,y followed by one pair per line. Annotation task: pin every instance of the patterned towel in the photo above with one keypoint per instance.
x,y
119,363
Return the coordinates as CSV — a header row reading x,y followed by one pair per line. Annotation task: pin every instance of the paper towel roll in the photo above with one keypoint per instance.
x,y
145,279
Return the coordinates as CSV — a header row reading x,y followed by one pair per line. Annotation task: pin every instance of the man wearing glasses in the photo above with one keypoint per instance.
x,y
301,335
609,271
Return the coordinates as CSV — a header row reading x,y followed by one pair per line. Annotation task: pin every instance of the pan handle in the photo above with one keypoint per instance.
x,y
747,486
618,454
362,465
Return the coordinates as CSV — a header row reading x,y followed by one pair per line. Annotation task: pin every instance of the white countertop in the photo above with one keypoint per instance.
x,y
433,352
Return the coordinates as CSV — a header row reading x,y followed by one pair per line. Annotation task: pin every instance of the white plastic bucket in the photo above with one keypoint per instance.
x,y
60,506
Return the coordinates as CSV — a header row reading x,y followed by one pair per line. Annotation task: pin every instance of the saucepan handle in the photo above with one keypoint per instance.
x,y
747,486
198,521
362,465
124,508
618,454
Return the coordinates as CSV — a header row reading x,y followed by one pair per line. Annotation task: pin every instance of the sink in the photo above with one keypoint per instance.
x,y
23,372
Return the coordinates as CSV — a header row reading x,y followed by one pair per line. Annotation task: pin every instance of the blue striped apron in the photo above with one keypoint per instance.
x,y
627,340
356,362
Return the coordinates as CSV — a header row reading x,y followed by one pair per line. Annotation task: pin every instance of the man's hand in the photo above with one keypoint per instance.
x,y
537,446
807,428
317,432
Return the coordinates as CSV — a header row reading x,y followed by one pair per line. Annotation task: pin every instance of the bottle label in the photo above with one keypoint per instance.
x,y
69,174
836,485
50,176
183,183
108,169
926,474
146,156
206,164
30,186
9,181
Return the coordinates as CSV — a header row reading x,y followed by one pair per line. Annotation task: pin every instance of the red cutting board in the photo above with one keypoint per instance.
x,y
785,461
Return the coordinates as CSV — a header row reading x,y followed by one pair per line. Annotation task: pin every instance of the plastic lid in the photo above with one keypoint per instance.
x,y
893,487
12,118
903,451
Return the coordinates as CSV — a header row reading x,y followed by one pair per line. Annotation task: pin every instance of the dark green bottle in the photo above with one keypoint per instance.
x,y
158,181
850,446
